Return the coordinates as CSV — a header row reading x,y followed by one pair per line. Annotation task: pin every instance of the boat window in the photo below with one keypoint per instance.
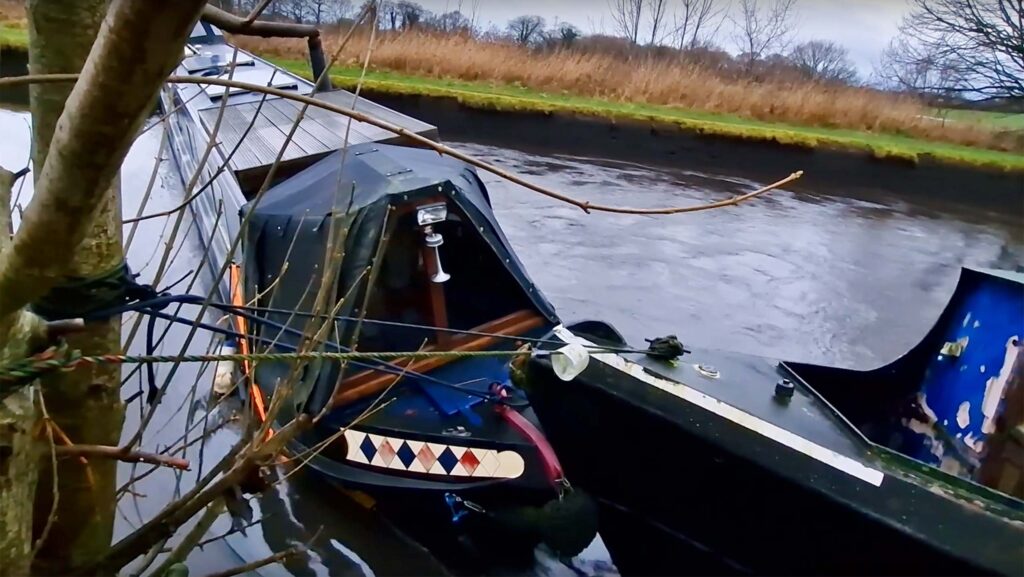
x,y
480,288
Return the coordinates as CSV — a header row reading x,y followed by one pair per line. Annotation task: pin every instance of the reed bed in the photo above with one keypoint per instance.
x,y
647,80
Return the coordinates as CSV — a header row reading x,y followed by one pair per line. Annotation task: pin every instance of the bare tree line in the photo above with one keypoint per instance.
x,y
959,48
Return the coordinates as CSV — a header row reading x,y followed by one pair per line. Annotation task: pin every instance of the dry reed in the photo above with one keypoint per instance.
x,y
647,80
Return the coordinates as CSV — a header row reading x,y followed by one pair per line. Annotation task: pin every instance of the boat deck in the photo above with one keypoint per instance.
x,y
319,132
254,128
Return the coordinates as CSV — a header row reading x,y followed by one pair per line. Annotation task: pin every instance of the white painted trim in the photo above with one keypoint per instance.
x,y
726,411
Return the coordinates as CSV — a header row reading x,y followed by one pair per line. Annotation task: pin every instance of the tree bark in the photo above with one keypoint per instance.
x,y
85,404
19,451
79,149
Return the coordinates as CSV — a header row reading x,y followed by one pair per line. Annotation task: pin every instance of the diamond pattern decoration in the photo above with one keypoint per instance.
x,y
412,456
386,452
368,448
447,459
469,461
426,457
405,454
488,465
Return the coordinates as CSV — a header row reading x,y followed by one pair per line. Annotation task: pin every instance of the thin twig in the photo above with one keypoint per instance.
x,y
52,517
119,454
275,558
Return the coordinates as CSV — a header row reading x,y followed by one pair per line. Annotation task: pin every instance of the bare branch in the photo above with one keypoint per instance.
x,y
440,148
627,16
119,454
232,24
973,48
85,156
763,27
248,567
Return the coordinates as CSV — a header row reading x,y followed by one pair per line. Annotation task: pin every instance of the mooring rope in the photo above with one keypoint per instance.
x,y
60,358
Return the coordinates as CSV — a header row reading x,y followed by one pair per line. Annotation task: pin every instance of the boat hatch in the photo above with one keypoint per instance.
x,y
261,76
423,259
956,400
212,61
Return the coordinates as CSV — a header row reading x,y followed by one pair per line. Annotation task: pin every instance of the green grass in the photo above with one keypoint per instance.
x,y
13,34
998,120
513,98
519,99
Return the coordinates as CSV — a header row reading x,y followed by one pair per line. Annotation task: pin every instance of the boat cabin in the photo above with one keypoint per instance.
x,y
418,263
956,400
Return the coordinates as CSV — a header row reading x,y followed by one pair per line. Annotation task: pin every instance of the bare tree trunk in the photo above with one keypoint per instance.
x,y
19,452
85,404
137,46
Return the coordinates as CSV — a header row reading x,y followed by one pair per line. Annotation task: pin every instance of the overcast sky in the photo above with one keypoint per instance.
x,y
864,27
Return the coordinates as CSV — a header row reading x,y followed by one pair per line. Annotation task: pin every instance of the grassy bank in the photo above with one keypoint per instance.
x,y
521,99
808,116
13,34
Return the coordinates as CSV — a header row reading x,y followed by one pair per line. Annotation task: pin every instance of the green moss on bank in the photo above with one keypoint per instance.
x,y
13,34
510,98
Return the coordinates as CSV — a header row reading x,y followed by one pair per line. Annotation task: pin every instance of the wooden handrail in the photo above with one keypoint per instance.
x,y
371,382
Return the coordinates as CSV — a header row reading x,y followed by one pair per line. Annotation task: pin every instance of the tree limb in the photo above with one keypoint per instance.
x,y
275,558
119,454
103,113
232,24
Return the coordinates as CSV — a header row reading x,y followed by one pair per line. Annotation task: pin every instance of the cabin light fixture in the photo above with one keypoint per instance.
x,y
431,214
435,240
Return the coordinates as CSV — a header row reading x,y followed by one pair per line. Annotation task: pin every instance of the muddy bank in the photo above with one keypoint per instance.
x,y
666,145
13,62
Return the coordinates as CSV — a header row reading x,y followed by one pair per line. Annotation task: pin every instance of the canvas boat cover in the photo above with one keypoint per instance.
x,y
348,195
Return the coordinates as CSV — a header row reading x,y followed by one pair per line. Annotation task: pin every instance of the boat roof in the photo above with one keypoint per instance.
x,y
364,174
253,150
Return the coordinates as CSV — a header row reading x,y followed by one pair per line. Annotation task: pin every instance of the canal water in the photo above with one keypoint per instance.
x,y
823,277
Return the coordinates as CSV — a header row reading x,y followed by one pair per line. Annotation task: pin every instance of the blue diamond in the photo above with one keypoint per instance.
x,y
448,459
367,447
405,454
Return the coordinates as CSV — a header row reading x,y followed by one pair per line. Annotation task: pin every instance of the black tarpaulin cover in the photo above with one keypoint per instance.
x,y
348,195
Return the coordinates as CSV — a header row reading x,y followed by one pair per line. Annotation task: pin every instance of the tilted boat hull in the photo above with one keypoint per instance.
x,y
717,476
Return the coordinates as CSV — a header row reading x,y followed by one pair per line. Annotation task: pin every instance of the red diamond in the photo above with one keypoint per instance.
x,y
386,452
426,457
469,461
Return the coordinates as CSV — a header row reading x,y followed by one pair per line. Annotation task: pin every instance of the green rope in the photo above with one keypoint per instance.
x,y
60,358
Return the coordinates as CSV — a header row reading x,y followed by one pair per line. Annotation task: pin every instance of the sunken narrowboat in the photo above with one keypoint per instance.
x,y
404,244
718,462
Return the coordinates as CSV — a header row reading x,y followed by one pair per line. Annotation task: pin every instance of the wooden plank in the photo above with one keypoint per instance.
x,y
343,98
329,127
290,109
337,125
231,129
368,383
309,143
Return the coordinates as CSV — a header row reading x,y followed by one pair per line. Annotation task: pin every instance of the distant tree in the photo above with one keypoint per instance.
x,y
656,16
567,34
526,29
823,60
295,9
763,27
627,16
410,14
321,11
389,17
453,22
971,48
697,21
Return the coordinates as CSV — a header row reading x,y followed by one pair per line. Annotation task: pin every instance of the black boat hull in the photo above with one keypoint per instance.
x,y
684,489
